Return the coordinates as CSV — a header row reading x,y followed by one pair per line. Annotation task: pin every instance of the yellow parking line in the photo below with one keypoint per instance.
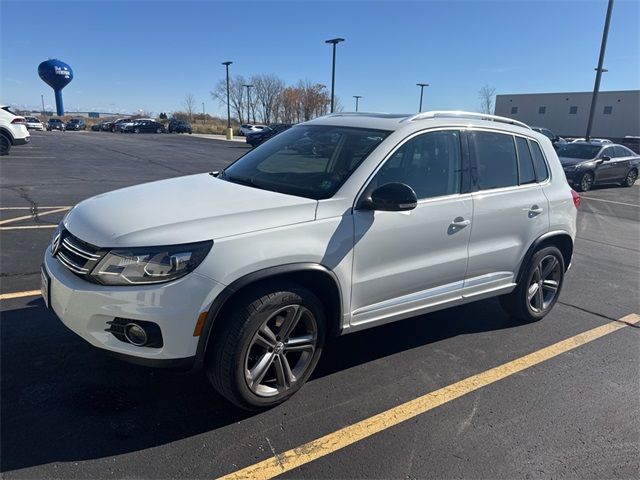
x,y
346,436
28,293
28,217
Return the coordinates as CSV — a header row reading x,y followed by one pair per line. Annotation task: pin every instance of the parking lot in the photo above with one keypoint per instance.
x,y
68,410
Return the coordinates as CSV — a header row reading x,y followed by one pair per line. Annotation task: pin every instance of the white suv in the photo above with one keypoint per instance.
x,y
13,130
339,224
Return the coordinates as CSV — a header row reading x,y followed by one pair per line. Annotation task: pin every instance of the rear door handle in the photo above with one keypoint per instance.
x,y
535,210
460,222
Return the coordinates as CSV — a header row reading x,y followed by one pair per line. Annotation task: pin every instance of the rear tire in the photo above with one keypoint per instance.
x,y
539,288
631,178
266,346
5,144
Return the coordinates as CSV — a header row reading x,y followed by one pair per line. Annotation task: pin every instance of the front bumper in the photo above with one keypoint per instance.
x,y
21,141
85,308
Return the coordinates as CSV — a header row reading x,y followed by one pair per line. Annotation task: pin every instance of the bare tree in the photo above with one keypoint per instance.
x,y
189,104
267,90
236,94
486,95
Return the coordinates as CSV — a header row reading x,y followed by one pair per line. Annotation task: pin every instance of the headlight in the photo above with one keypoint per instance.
x,y
136,266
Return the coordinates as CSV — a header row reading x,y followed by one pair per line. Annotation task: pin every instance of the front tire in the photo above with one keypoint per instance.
x,y
585,182
539,288
266,347
631,178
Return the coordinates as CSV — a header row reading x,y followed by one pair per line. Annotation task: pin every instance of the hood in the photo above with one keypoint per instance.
x,y
183,210
569,162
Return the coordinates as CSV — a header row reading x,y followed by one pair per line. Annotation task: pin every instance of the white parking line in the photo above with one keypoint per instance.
x,y
608,201
29,208
28,227
27,217
23,156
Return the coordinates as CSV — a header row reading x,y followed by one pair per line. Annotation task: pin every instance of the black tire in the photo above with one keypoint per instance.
x,y
136,130
5,144
631,178
585,182
233,343
158,130
518,303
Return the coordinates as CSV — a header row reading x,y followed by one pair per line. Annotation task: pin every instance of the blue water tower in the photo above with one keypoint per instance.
x,y
57,75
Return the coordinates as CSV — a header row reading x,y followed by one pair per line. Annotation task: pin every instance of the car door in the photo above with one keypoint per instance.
x,y
622,162
405,262
510,210
606,169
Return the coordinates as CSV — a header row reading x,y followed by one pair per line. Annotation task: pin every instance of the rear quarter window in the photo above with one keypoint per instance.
x,y
542,171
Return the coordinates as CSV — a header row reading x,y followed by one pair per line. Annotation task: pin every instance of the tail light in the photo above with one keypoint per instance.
x,y
576,198
18,120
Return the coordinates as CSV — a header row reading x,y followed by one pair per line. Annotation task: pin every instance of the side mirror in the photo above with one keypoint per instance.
x,y
392,197
605,158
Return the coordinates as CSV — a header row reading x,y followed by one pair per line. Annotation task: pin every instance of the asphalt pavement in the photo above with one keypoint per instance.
x,y
69,411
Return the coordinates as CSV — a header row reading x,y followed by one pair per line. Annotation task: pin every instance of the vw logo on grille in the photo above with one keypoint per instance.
x,y
55,245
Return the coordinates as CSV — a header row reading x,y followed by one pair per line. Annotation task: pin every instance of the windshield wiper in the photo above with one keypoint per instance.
x,y
246,181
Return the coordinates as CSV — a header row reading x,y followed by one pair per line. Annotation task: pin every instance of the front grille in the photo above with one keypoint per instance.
x,y
78,256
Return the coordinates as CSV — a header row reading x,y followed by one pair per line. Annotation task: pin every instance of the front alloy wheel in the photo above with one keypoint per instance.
x,y
586,182
265,345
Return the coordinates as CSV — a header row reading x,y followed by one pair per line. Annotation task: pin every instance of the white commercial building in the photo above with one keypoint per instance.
x,y
617,113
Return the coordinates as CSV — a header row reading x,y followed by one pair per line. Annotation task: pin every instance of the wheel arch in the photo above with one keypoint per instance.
x,y
315,277
7,133
559,239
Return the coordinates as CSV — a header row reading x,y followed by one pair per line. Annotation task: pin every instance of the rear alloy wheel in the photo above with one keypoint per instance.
x,y
631,178
5,144
267,347
586,182
539,288
136,130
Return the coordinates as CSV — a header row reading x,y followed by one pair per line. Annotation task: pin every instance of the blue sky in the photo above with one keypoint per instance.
x,y
130,55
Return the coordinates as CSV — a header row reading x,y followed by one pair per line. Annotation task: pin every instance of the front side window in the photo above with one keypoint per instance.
x,y
311,161
496,160
429,163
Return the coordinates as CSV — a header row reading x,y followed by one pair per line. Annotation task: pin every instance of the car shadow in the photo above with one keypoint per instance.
x,y
63,400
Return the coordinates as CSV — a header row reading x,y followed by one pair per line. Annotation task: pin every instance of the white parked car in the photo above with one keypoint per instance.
x,y
12,130
246,271
600,141
248,128
33,123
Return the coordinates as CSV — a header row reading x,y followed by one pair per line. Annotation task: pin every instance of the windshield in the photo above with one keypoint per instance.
x,y
308,161
581,151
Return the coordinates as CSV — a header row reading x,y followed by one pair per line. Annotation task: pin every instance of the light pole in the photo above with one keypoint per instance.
x,y
249,87
421,85
229,132
42,98
599,70
334,42
357,97
203,113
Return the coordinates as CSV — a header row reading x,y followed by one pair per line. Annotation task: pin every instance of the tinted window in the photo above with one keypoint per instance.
x,y
526,173
429,163
583,151
608,152
622,151
542,173
310,161
495,154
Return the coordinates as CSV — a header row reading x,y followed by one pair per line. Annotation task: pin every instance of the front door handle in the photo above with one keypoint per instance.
x,y
460,222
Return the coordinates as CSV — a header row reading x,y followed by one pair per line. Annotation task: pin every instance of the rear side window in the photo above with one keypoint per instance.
x,y
526,173
496,159
542,173
622,151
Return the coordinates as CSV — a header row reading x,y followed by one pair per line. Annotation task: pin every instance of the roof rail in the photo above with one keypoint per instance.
x,y
461,114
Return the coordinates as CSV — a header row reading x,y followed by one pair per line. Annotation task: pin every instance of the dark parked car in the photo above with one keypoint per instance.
x,y
143,126
555,139
55,124
76,124
115,126
178,126
100,127
586,164
256,138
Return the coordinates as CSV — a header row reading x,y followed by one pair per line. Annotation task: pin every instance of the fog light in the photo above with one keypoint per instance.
x,y
135,334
